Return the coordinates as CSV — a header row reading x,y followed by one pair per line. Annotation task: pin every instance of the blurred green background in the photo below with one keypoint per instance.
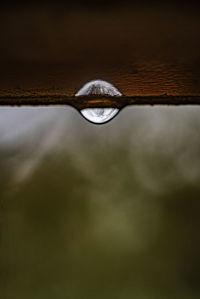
x,y
98,212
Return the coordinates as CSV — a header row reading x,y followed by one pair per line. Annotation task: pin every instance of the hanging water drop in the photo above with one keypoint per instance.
x,y
99,87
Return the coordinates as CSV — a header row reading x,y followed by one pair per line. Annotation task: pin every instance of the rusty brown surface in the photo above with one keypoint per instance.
x,y
144,50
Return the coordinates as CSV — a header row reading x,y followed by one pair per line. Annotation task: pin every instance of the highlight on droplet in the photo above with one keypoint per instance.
x,y
99,87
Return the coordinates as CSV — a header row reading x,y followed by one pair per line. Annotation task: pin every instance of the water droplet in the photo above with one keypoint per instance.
x,y
99,115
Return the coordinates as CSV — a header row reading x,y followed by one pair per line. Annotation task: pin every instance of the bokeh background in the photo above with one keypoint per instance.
x,y
106,211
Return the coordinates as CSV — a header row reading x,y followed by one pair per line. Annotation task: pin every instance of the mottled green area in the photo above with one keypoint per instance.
x,y
113,218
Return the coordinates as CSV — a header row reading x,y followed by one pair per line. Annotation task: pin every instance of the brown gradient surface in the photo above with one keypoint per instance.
x,y
144,50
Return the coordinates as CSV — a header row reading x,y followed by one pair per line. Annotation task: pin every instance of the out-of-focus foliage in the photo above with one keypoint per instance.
x,y
116,215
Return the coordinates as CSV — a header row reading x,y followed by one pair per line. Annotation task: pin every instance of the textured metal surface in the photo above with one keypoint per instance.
x,y
144,50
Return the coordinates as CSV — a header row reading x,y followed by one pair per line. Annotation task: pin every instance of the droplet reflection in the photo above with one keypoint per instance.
x,y
99,115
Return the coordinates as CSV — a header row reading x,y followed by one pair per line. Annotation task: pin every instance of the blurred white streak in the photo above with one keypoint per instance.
x,y
146,131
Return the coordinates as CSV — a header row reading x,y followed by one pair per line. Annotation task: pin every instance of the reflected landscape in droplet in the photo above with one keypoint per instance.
x,y
99,115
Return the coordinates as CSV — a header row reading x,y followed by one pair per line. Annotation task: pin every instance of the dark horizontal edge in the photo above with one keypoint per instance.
x,y
96,101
